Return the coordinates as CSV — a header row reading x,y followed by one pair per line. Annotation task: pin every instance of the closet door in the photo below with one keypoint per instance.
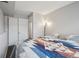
x,y
23,30
18,30
13,31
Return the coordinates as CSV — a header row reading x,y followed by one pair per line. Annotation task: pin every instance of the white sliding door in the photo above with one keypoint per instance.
x,y
18,30
13,31
23,30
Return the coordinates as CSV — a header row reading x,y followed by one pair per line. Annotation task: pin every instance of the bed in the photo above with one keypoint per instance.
x,y
37,51
31,49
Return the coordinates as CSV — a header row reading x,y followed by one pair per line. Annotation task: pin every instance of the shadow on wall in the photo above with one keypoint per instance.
x,y
3,44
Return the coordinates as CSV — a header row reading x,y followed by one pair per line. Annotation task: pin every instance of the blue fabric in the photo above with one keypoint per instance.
x,y
39,53
69,43
51,54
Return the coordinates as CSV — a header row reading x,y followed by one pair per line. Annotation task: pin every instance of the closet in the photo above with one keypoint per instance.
x,y
18,30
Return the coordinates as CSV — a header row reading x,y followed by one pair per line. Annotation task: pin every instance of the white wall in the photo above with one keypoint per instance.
x,y
1,22
37,25
3,36
64,20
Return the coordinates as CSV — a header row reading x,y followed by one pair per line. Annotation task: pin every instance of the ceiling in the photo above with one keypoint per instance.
x,y
25,8
8,8
42,7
